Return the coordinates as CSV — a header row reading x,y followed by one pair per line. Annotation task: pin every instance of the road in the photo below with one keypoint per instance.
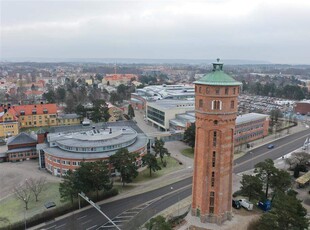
x,y
136,210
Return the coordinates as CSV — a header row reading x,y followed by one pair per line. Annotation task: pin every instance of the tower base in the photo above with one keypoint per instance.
x,y
212,218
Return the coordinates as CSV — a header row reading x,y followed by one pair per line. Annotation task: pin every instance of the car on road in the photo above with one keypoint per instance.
x,y
246,204
236,204
270,146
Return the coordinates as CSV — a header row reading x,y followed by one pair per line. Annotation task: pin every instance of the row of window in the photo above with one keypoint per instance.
x,y
216,104
64,162
35,117
8,126
97,149
238,131
35,123
34,111
156,115
260,121
19,155
217,90
183,105
249,136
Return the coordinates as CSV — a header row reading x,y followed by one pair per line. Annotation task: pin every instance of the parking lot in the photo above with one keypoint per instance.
x,y
13,174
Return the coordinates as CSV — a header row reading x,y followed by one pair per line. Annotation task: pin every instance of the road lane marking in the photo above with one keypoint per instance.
x,y
92,227
81,217
60,226
51,227
249,160
87,221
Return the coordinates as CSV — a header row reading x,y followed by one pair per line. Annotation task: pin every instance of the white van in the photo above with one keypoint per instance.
x,y
246,204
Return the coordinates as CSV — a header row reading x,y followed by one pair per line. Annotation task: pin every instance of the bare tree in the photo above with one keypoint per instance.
x,y
297,159
36,186
23,193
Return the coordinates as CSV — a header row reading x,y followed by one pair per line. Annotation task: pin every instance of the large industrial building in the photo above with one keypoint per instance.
x,y
153,93
179,114
302,107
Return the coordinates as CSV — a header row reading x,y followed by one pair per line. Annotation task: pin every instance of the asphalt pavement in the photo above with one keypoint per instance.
x,y
135,210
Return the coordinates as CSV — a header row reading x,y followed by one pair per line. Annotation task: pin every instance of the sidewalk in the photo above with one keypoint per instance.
x,y
175,148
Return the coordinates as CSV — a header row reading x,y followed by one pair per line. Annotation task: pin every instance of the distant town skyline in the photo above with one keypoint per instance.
x,y
258,30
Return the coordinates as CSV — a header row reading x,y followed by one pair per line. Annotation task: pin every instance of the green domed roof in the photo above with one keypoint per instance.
x,y
218,77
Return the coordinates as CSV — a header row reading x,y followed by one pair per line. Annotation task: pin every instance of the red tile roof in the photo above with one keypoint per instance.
x,y
51,109
9,112
34,92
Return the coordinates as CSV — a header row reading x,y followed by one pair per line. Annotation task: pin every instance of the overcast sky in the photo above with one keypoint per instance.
x,y
269,30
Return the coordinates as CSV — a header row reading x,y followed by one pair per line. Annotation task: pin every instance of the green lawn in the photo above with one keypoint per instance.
x,y
188,152
13,209
172,165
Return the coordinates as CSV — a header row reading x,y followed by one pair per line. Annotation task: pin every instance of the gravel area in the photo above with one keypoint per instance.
x,y
13,174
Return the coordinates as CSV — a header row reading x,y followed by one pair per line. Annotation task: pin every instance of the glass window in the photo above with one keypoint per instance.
x,y
200,103
232,104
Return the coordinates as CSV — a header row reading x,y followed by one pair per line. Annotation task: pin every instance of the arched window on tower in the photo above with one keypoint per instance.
x,y
217,91
211,208
207,90
199,89
213,158
216,105
214,138
232,104
200,103
212,179
226,91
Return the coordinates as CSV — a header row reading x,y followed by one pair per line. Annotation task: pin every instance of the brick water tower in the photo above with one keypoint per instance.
x,y
216,106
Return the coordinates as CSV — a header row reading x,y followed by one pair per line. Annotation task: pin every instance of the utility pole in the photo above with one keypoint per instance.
x,y
81,194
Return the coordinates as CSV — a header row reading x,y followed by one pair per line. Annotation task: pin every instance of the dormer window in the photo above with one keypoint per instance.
x,y
45,111
22,112
34,111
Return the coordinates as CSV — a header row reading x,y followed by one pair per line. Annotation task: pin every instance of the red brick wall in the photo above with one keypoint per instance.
x,y
22,145
222,121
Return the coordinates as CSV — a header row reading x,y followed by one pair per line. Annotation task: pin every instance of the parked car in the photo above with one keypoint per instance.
x,y
246,204
236,204
265,206
271,146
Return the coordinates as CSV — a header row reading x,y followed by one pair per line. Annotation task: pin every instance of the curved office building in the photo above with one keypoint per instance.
x,y
66,150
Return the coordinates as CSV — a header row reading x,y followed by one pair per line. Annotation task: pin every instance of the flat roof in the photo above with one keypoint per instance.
x,y
141,142
172,104
244,118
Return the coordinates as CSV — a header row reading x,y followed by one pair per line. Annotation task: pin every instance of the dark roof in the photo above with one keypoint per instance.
x,y
40,131
22,138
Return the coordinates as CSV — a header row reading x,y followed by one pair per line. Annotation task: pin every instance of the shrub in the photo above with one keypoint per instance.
x,y
237,193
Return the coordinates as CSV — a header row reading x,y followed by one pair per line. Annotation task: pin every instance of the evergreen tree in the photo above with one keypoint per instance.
x,y
131,112
124,162
265,170
251,186
287,213
68,187
190,135
100,111
151,162
160,150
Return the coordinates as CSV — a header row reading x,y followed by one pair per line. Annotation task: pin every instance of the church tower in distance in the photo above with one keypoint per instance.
x,y
216,107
